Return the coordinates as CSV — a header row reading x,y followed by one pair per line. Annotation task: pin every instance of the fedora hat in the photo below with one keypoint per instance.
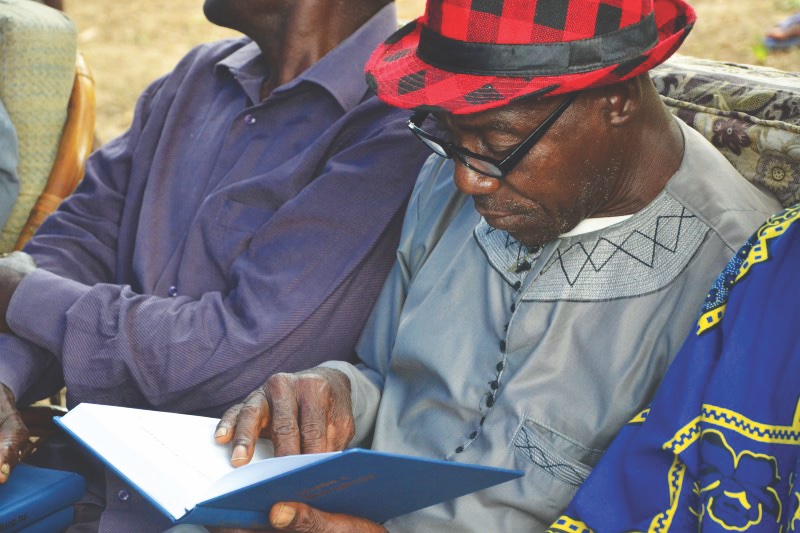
x,y
465,56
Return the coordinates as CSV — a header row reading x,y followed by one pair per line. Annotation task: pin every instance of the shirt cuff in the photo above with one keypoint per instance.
x,y
38,308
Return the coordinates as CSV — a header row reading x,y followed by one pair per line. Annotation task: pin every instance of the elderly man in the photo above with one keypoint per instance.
x,y
552,260
244,225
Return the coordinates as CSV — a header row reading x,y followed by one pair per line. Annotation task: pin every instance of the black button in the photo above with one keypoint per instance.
x,y
500,366
503,346
513,307
490,401
517,285
459,449
473,434
483,419
494,385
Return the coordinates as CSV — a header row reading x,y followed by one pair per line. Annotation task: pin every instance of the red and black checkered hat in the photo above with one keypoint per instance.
x,y
464,56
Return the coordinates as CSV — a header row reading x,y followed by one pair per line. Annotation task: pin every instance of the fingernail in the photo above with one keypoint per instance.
x,y
5,469
239,454
221,432
284,517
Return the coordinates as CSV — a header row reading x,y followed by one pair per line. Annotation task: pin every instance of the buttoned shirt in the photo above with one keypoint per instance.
x,y
480,350
222,238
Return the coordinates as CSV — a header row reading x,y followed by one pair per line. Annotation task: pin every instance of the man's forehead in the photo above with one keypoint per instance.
x,y
506,118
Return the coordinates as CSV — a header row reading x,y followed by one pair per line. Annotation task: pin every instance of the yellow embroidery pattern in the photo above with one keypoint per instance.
x,y
728,419
663,521
774,227
641,417
566,524
758,253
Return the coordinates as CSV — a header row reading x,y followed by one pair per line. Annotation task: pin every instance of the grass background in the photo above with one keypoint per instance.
x,y
129,44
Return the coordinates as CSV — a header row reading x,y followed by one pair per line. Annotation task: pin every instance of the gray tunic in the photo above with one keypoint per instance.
x,y
471,356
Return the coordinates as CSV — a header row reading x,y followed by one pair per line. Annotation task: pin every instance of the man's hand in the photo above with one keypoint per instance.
x,y
306,412
300,518
13,434
13,267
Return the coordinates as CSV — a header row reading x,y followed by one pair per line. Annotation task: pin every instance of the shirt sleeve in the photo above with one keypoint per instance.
x,y
9,158
201,354
377,341
78,243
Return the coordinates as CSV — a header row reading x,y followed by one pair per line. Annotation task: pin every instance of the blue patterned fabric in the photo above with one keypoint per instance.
x,y
719,448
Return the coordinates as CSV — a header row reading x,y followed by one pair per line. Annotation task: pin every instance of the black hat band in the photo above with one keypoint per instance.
x,y
546,59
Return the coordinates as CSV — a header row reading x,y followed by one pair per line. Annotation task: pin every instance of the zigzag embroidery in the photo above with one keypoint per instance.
x,y
546,460
732,420
620,248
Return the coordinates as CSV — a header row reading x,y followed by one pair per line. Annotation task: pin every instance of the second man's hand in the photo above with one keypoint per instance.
x,y
306,412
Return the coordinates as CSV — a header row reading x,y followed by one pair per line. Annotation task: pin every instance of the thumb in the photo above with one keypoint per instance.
x,y
300,518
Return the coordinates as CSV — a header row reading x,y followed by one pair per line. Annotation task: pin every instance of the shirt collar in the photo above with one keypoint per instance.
x,y
340,71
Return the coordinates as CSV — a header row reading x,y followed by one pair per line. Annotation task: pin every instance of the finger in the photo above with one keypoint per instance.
x,y
300,518
284,424
250,419
13,434
224,431
314,414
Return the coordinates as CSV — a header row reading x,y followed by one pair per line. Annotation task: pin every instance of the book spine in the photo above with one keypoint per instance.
x,y
42,503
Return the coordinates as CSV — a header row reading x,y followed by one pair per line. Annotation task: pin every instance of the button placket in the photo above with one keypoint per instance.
x,y
490,397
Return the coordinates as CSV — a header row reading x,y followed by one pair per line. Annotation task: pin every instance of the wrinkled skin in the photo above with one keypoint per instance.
x,y
306,412
13,434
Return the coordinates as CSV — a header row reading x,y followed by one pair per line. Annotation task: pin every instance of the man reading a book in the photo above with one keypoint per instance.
x,y
243,225
553,257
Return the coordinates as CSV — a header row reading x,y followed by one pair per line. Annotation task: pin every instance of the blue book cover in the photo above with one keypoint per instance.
x,y
32,493
173,461
58,521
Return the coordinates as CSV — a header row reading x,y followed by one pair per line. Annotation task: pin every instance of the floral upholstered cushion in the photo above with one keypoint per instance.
x,y
37,69
751,114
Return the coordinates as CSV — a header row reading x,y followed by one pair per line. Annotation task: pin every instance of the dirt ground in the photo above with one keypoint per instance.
x,y
129,44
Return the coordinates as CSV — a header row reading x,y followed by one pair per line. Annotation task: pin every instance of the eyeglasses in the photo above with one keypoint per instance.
x,y
481,163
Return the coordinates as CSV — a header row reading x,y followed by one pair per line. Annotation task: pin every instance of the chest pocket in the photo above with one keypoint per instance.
x,y
561,458
231,229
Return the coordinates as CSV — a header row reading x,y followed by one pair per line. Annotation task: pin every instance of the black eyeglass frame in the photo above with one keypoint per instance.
x,y
504,167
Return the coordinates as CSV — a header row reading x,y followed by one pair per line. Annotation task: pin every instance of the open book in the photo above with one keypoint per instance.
x,y
173,461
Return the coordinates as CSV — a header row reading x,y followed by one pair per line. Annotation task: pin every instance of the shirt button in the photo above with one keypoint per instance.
x,y
123,495
173,291
473,434
517,285
459,449
249,120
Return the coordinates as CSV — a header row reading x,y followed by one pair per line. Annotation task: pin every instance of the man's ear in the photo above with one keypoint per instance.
x,y
622,100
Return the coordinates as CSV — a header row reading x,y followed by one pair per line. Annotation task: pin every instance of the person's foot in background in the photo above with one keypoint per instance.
x,y
785,34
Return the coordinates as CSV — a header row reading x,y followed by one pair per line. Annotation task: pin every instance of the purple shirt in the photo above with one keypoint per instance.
x,y
221,239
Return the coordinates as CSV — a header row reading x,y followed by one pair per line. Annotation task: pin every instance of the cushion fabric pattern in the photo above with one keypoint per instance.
x,y
37,69
751,114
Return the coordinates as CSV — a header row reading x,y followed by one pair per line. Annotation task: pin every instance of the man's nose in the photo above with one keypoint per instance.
x,y
473,183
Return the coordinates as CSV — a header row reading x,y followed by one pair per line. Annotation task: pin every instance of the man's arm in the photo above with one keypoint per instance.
x,y
189,353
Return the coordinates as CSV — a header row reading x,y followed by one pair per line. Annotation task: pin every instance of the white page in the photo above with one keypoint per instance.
x,y
171,457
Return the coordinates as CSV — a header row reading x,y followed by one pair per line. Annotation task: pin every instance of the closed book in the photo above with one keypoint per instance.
x,y
53,523
32,493
173,461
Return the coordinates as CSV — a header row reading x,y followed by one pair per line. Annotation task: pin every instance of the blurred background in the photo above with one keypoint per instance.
x,y
129,44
